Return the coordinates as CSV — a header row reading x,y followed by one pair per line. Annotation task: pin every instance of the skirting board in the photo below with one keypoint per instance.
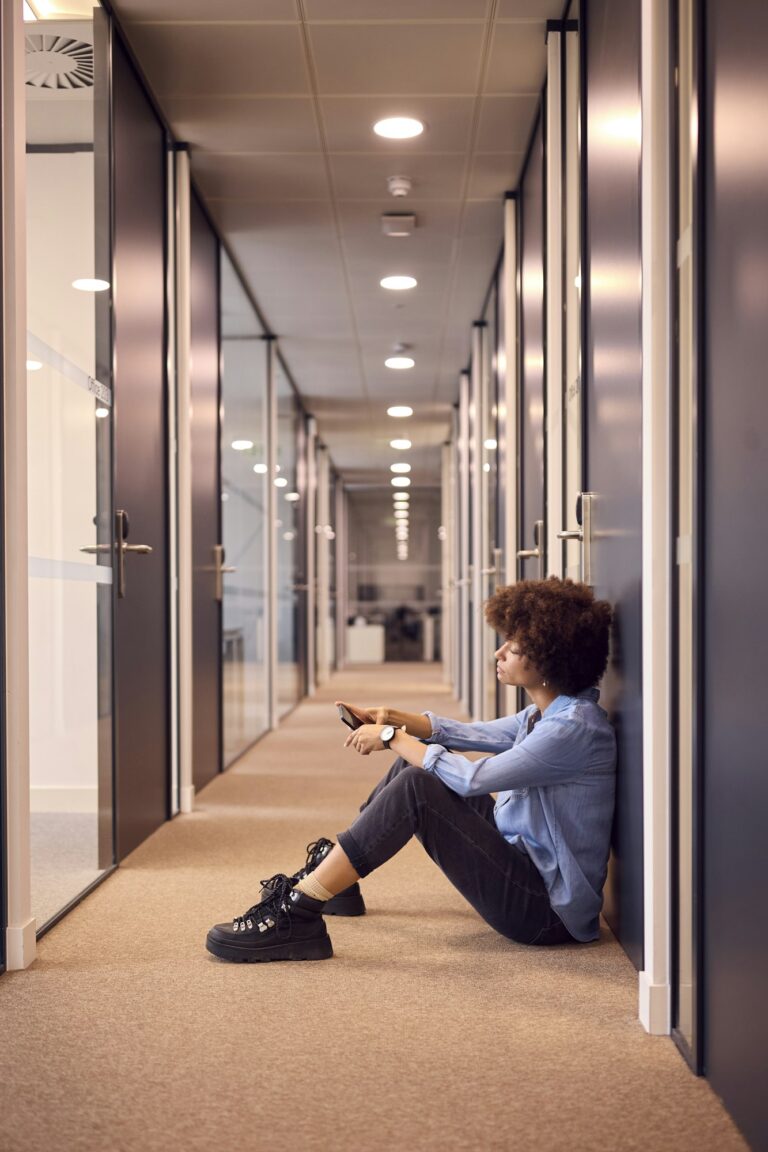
x,y
654,1006
20,945
42,799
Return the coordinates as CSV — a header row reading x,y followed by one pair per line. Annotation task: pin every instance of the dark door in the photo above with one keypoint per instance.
x,y
531,423
142,712
613,417
735,625
206,498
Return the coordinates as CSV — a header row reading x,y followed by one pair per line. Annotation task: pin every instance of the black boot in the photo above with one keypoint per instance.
x,y
347,903
286,926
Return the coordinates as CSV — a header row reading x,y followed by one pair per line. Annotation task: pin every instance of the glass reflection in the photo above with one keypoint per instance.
x,y
69,461
243,516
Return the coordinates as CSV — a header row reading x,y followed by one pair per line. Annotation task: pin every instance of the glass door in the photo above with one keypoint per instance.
x,y
71,528
287,543
244,480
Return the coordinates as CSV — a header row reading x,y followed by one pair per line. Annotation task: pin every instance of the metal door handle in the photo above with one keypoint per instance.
x,y
96,548
583,534
143,549
536,553
220,570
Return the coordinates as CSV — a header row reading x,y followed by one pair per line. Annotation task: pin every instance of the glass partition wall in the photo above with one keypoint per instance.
x,y
70,460
244,480
288,543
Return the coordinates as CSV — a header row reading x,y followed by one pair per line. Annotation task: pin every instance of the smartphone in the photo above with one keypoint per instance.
x,y
347,718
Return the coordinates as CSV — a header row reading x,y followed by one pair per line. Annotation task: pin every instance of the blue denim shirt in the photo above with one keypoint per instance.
x,y
555,790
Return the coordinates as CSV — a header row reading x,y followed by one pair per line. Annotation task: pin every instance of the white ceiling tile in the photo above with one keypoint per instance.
x,y
359,10
518,60
265,176
233,124
505,123
396,58
221,59
530,9
493,174
156,10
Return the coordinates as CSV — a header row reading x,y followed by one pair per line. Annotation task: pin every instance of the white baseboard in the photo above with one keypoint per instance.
x,y
20,945
187,799
654,1006
43,799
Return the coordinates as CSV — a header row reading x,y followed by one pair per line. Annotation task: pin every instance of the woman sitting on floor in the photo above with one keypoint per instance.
x,y
533,862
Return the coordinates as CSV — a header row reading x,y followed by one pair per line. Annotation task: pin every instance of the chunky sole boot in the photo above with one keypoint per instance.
x,y
286,926
347,903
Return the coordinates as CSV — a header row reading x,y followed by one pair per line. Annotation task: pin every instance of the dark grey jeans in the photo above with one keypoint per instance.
x,y
499,880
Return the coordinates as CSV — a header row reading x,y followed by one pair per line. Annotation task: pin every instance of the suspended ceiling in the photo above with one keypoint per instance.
x,y
277,99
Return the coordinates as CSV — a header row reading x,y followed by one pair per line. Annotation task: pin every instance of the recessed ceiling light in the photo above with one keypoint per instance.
x,y
398,128
90,285
401,499
102,413
281,482
33,365
401,482
398,283
399,362
242,445
490,445
401,445
401,513
292,497
400,410
260,468
400,467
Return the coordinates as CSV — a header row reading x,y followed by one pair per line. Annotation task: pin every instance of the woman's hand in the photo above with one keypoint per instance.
x,y
366,739
374,714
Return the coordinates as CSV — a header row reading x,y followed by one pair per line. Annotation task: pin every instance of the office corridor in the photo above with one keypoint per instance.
x,y
426,1030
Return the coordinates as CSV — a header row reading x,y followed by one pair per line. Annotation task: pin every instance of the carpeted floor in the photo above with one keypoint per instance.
x,y
425,1032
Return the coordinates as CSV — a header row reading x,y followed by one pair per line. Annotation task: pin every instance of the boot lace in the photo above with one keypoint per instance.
x,y
274,912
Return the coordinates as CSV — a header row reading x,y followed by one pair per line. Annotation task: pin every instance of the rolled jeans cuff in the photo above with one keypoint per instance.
x,y
354,853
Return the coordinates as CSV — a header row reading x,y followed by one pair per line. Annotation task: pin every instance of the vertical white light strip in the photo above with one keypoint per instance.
x,y
20,939
184,480
654,980
310,518
511,477
465,551
342,575
479,500
173,556
572,299
323,547
447,621
554,306
271,551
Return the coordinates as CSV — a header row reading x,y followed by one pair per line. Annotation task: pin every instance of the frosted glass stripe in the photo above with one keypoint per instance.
x,y
37,349
41,568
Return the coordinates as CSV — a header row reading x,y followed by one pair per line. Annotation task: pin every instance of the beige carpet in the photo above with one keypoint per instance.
x,y
426,1030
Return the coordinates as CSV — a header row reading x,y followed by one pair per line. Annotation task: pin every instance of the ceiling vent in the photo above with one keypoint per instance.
x,y
399,185
397,223
58,62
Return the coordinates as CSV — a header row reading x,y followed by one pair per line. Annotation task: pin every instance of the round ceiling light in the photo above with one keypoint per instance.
x,y
292,497
398,283
400,467
280,482
400,410
242,445
260,469
401,482
398,128
34,365
400,445
399,362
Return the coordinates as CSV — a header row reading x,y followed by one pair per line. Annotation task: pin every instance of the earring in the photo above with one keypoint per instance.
x,y
543,683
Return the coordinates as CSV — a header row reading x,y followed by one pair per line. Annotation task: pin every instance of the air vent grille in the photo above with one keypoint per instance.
x,y
58,62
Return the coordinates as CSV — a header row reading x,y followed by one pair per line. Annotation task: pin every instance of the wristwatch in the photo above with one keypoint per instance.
x,y
387,733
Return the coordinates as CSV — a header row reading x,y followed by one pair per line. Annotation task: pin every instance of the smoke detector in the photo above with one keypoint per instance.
x,y
399,185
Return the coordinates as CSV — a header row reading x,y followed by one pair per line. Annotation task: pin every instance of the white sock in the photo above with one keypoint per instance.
x,y
312,887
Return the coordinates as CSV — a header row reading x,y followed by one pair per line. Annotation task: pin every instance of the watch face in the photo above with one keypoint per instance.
x,y
387,733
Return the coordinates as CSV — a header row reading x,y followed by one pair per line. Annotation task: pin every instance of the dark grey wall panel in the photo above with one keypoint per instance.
x,y
613,425
735,633
532,225
206,497
142,707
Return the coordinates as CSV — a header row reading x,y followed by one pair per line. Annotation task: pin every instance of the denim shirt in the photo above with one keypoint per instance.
x,y
555,790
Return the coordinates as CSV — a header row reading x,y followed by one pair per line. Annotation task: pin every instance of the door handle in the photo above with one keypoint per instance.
x,y
220,570
536,553
122,528
583,534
